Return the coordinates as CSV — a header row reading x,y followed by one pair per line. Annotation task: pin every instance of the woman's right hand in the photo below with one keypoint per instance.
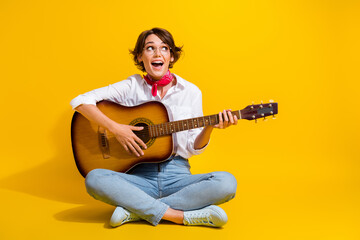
x,y
123,133
127,138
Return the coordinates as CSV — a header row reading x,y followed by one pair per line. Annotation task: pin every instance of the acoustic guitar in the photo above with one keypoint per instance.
x,y
95,147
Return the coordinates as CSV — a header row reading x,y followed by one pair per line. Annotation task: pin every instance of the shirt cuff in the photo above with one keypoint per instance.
x,y
197,151
81,100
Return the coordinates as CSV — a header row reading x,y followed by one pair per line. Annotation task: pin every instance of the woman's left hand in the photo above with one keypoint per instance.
x,y
226,119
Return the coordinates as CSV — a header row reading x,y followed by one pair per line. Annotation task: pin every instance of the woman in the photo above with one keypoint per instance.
x,y
167,190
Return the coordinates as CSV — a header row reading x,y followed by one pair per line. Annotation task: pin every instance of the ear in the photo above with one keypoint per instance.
x,y
172,58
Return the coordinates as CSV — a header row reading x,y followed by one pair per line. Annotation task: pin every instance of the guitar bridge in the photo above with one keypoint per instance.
x,y
103,143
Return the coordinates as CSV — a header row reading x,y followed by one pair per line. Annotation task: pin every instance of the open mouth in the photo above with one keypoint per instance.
x,y
157,64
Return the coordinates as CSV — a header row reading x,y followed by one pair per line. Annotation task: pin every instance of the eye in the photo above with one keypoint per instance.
x,y
150,48
164,48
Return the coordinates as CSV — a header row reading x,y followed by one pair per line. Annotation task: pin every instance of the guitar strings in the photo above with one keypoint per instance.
x,y
164,129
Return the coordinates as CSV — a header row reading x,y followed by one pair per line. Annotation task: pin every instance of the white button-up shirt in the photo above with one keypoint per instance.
x,y
184,100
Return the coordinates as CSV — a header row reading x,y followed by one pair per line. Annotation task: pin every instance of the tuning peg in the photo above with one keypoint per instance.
x,y
265,119
273,117
254,117
271,100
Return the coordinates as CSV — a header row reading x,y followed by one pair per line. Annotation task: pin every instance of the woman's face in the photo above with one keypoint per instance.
x,y
156,57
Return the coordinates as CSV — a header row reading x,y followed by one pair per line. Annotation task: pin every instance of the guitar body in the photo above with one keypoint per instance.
x,y
95,147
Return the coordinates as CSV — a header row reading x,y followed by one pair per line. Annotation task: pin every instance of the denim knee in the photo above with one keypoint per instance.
x,y
92,180
226,184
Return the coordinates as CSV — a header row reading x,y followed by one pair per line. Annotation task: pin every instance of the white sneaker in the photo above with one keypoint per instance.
x,y
212,216
121,216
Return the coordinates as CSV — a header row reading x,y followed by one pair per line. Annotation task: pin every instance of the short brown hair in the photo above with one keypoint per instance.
x,y
165,36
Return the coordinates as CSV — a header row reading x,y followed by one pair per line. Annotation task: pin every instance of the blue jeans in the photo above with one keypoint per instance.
x,y
151,188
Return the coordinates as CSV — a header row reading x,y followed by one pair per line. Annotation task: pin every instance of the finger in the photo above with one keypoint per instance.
x,y
231,117
235,120
137,148
132,148
135,128
126,148
221,122
139,141
226,119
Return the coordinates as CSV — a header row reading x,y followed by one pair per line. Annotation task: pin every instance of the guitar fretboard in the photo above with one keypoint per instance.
x,y
187,124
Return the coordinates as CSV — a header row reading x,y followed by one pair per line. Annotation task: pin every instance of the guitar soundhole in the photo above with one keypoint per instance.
x,y
143,135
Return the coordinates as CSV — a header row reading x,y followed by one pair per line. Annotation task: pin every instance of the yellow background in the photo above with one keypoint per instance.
x,y
298,175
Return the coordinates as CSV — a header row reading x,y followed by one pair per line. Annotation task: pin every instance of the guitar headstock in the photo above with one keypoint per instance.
x,y
253,112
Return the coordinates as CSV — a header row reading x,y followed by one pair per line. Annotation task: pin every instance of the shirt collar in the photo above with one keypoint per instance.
x,y
180,83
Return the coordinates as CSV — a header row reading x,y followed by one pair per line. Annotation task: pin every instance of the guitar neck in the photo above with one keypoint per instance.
x,y
187,124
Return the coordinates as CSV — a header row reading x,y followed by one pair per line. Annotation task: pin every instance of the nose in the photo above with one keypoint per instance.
x,y
157,52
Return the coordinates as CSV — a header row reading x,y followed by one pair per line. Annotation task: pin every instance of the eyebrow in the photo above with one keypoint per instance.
x,y
153,42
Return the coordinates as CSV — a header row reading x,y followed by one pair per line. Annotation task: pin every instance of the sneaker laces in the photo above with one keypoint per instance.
x,y
130,217
199,217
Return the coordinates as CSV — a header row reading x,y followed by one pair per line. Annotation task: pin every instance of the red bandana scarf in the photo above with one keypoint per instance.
x,y
165,80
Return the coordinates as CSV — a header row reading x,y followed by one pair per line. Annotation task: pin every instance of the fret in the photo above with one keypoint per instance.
x,y
156,132
195,124
171,128
176,124
164,128
150,130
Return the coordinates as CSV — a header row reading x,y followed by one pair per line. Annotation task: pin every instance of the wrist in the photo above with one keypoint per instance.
x,y
111,126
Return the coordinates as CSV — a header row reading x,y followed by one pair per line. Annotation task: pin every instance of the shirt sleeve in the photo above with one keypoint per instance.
x,y
193,133
115,92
